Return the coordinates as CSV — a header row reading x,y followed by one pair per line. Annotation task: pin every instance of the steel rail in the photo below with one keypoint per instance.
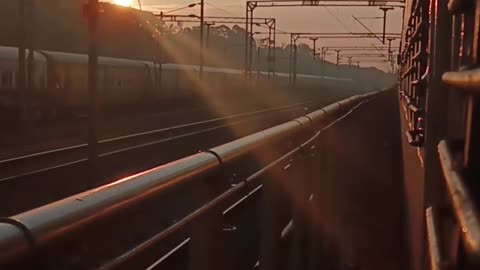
x,y
136,136
79,146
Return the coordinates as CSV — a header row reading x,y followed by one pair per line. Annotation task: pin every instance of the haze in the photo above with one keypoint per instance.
x,y
301,19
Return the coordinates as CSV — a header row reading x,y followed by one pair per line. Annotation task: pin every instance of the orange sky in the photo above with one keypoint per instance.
x,y
301,19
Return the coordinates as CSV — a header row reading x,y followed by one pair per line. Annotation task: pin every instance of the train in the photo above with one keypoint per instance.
x,y
58,82
439,108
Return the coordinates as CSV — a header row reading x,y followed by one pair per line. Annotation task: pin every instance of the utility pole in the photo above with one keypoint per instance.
x,y
338,56
390,48
258,62
349,61
295,55
385,10
202,24
160,51
208,24
92,81
314,39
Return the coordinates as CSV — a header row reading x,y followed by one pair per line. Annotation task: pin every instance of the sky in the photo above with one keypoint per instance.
x,y
302,19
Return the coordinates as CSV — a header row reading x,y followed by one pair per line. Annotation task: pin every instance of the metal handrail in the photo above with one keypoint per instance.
x,y
466,79
20,235
235,189
463,205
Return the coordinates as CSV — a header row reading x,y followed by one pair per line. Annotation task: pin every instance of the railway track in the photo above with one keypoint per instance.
x,y
61,172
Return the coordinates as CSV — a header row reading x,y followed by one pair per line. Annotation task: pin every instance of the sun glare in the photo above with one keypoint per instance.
x,y
125,3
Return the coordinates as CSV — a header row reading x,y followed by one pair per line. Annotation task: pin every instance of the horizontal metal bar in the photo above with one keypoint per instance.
x,y
219,199
50,223
408,100
458,6
414,108
466,79
433,241
463,205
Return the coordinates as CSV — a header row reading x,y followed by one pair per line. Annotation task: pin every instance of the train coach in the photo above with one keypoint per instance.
x,y
59,84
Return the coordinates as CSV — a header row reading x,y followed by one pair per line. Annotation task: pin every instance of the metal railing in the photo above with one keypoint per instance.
x,y
414,68
37,237
451,216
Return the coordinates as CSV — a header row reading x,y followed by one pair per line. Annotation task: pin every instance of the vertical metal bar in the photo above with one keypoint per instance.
x,y
250,61
258,62
269,50
314,48
300,187
270,250
290,61
472,143
316,166
384,24
247,34
274,46
202,45
160,53
208,36
206,244
92,81
295,55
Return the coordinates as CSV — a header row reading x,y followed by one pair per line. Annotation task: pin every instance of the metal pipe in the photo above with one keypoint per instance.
x,y
70,217
50,223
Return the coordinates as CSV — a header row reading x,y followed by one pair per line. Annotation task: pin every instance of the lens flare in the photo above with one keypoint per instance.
x,y
125,3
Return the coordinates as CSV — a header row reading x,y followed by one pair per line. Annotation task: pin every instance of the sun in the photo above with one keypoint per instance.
x,y
125,3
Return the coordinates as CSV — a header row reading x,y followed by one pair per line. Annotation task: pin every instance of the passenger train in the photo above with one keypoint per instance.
x,y
60,81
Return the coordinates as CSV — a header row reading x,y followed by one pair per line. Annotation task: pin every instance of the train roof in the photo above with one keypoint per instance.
x,y
11,53
83,59
9,57
172,66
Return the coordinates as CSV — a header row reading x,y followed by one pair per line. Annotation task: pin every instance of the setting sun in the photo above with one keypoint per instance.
x,y
125,3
